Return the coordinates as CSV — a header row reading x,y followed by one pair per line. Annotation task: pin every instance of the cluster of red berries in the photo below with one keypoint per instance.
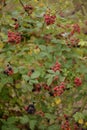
x,y
74,41
8,70
75,28
28,8
49,19
56,67
66,124
46,87
76,126
14,37
58,90
78,81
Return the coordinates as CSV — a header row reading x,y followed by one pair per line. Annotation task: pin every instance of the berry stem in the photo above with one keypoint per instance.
x,y
23,6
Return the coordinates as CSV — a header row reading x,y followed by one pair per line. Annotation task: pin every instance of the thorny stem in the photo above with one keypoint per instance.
x,y
21,3
23,6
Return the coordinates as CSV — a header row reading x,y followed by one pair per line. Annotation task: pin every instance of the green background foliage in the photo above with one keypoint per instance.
x,y
35,52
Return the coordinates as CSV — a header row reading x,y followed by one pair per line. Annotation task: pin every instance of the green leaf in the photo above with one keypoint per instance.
x,y
12,120
11,127
43,107
42,127
35,75
49,81
26,77
53,127
24,119
1,86
50,116
32,124
78,116
51,71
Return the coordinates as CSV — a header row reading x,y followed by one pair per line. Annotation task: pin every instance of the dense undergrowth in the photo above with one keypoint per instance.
x,y
43,68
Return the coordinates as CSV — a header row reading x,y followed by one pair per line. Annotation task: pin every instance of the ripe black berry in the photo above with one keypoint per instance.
x,y
10,69
33,90
32,70
51,93
31,109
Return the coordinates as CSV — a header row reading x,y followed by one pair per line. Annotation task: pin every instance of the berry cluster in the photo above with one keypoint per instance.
x,y
76,126
28,8
14,37
78,81
46,87
49,19
58,90
30,109
66,125
56,67
8,70
75,28
74,41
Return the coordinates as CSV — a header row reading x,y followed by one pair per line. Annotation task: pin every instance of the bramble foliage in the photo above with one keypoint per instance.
x,y
43,67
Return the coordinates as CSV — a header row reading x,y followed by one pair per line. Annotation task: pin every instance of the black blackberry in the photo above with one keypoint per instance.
x,y
32,70
10,69
31,109
51,93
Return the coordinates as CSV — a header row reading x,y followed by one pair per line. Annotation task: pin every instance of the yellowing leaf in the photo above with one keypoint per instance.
x,y
30,52
36,0
52,104
1,45
85,123
80,121
41,5
82,43
18,86
36,51
57,101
